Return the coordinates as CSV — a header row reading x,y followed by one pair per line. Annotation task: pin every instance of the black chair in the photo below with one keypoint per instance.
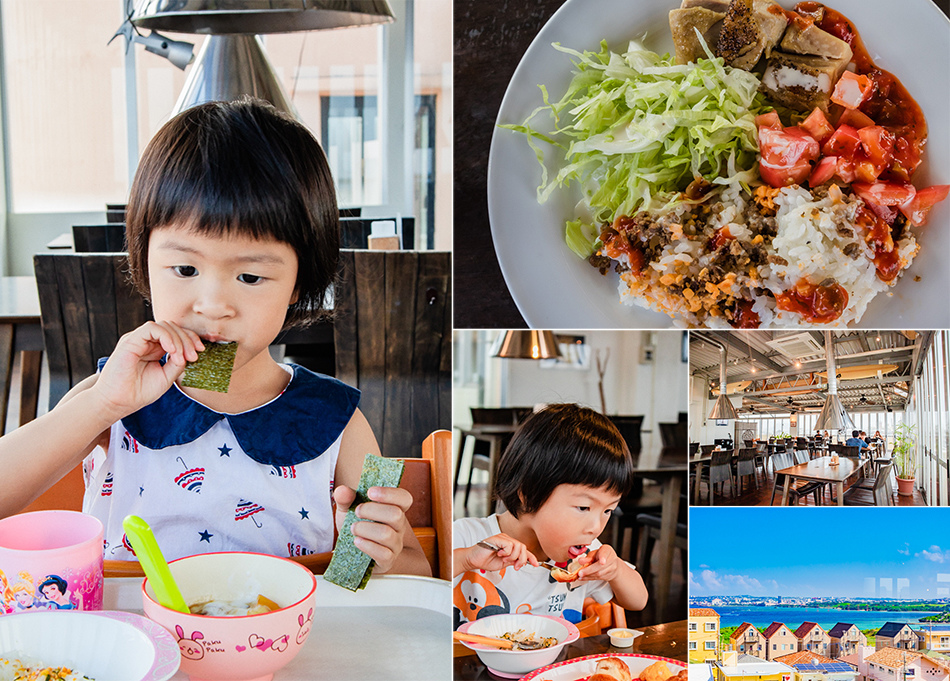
x,y
797,492
675,439
650,524
878,493
629,427
115,212
107,238
720,472
745,466
481,449
354,232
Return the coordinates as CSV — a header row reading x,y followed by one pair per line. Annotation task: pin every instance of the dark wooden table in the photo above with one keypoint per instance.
x,y
671,480
495,435
490,39
664,640
821,470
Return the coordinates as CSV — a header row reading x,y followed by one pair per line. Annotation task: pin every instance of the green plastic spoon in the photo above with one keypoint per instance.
x,y
153,562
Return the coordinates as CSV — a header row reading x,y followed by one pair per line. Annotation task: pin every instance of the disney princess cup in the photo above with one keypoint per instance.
x,y
50,560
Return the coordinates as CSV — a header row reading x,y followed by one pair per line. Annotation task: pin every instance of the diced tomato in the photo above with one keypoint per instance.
x,y
824,171
816,125
786,155
856,119
878,143
843,142
919,206
884,193
817,304
845,170
768,120
851,90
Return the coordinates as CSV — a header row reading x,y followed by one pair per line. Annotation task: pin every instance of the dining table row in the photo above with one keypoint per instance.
x,y
797,469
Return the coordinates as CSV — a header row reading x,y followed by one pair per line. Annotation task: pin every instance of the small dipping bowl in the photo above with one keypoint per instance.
x,y
245,648
52,560
623,638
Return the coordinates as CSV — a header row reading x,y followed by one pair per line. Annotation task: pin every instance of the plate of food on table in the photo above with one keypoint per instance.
x,y
612,667
726,164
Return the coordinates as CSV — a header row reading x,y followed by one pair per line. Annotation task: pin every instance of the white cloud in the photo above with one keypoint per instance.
x,y
711,582
934,554
906,550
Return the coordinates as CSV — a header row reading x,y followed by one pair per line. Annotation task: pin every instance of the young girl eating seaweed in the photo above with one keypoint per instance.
x,y
563,473
233,235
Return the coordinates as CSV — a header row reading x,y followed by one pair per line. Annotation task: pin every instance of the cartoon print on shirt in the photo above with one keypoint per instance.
x,y
297,550
107,485
125,545
191,479
286,472
477,596
247,509
129,443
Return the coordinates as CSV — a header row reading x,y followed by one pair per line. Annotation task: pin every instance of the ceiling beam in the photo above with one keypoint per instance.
x,y
842,385
897,354
742,348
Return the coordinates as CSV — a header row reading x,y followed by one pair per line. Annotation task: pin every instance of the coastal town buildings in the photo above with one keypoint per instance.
x,y
811,666
779,640
845,639
900,664
935,637
812,638
703,634
738,667
896,635
748,640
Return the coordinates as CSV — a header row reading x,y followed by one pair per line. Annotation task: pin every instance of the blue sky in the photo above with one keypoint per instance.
x,y
846,552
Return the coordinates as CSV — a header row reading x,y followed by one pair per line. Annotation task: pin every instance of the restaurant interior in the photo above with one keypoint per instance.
x,y
783,431
638,379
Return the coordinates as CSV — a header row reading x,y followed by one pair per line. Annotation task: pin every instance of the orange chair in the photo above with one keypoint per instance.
x,y
599,617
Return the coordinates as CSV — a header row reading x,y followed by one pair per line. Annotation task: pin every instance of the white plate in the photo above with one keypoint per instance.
x,y
582,667
553,288
105,646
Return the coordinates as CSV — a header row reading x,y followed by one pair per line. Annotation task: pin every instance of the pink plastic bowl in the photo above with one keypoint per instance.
x,y
50,560
249,648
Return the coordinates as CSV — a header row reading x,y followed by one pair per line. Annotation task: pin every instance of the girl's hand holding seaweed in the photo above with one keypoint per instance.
x,y
381,540
510,553
134,377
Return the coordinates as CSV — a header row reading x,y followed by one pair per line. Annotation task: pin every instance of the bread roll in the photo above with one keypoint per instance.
x,y
658,671
611,669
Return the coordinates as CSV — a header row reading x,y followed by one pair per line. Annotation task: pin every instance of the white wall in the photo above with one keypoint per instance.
x,y
657,389
701,429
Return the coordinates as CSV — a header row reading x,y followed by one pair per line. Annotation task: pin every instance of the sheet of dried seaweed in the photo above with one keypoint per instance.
x,y
349,567
212,369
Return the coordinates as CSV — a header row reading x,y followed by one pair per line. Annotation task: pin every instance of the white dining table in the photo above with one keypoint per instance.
x,y
397,628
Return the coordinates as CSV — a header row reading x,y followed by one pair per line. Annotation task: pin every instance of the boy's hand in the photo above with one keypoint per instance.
x,y
601,563
510,553
134,377
380,540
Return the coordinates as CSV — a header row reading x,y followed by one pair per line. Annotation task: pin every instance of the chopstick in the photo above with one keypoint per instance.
x,y
484,640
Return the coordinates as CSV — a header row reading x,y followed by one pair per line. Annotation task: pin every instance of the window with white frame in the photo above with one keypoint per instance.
x,y
710,645
692,645
710,626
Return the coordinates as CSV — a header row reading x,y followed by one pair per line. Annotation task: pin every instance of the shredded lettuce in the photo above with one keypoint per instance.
x,y
638,128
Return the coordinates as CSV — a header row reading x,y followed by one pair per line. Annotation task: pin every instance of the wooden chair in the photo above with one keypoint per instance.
x,y
86,304
107,238
797,492
393,340
599,617
430,515
675,439
876,492
745,466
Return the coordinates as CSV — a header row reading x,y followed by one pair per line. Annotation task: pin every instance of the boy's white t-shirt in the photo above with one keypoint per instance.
x,y
531,589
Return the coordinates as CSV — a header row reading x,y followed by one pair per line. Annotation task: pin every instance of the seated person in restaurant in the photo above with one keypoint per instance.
x,y
856,441
233,237
563,474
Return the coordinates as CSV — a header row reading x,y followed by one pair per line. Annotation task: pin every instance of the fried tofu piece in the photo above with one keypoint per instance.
x,y
802,82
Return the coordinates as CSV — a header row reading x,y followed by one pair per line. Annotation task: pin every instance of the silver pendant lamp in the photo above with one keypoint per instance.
x,y
833,415
232,62
723,408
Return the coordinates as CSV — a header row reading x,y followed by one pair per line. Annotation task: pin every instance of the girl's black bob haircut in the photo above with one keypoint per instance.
x,y
240,168
562,444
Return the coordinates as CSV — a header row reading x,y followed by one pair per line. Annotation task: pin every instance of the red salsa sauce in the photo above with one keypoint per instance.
x,y
616,243
743,317
816,304
877,233
890,105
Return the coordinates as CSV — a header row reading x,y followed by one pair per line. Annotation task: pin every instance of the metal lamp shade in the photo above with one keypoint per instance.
x,y
519,344
258,16
229,67
833,416
723,409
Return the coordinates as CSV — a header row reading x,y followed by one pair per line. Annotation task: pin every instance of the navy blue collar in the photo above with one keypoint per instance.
x,y
296,426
